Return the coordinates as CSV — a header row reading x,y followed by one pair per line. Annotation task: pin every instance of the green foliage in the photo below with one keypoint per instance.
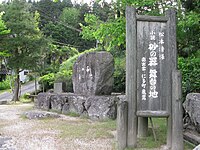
x,y
3,29
110,34
70,16
4,85
61,60
47,80
190,68
119,74
60,21
25,40
188,33
25,98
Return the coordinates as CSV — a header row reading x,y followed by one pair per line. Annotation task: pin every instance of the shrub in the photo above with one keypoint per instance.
x,y
190,68
5,84
47,81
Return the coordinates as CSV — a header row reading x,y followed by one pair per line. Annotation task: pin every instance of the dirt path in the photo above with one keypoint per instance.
x,y
49,134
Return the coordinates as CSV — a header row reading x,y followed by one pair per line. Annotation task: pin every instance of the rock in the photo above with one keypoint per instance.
x,y
101,107
57,101
36,114
43,101
191,106
93,74
74,104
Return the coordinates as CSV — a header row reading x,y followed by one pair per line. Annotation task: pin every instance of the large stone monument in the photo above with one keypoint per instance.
x,y
92,84
93,74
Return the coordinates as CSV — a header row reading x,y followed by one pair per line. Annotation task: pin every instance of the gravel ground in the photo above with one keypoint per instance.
x,y
17,133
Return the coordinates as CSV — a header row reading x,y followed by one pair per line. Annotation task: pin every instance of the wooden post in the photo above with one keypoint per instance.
x,y
142,127
177,113
131,75
172,56
122,117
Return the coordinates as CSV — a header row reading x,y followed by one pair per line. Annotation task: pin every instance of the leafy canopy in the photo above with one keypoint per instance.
x,y
25,39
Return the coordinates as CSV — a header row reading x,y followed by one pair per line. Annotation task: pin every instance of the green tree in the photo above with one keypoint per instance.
x,y
66,31
25,39
111,33
189,28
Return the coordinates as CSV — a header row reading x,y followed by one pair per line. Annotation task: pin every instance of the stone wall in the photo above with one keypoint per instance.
x,y
95,107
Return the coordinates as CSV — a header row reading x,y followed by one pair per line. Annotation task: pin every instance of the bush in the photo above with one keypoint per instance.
x,y
47,81
5,84
190,69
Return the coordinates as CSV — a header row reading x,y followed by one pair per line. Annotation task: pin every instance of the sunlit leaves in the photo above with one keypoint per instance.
x,y
110,33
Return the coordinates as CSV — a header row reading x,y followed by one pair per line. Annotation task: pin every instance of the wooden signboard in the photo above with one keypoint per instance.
x,y
153,69
153,84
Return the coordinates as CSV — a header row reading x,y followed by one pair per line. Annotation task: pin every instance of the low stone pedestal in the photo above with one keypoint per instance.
x,y
95,107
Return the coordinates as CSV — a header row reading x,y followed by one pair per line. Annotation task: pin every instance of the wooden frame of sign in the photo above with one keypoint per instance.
x,y
153,84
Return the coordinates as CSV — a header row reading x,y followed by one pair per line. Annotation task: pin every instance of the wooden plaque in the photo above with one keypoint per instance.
x,y
153,68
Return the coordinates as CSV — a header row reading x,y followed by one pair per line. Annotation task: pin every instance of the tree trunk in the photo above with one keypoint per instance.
x,y
35,84
16,87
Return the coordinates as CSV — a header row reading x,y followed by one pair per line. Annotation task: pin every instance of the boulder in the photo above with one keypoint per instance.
x,y
101,107
93,74
43,101
57,101
74,104
191,106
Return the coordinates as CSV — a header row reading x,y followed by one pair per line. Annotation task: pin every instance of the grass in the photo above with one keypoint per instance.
x,y
85,128
161,134
160,129
73,114
8,90
25,100
82,128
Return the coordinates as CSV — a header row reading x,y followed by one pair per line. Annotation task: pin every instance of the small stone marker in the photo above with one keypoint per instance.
x,y
93,74
59,87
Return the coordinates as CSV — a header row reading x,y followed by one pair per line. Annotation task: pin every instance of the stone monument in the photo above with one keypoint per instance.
x,y
92,84
93,74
